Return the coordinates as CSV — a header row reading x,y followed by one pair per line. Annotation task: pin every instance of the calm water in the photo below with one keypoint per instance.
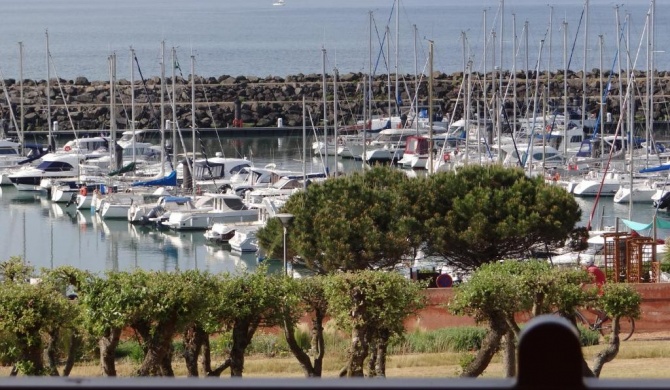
x,y
48,234
253,37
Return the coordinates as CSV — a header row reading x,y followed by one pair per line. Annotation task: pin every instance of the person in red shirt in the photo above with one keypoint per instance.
x,y
599,279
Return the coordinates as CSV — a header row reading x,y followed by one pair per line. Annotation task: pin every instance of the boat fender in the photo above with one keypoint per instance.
x,y
446,157
83,191
67,148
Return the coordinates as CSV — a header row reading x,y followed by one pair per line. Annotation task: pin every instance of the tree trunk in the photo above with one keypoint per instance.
x,y
243,331
358,351
382,351
194,338
158,346
107,345
75,344
31,353
166,361
611,350
318,342
490,345
302,357
51,352
217,371
509,354
206,356
372,361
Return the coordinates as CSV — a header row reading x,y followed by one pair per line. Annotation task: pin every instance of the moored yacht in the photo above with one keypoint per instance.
x,y
215,208
53,166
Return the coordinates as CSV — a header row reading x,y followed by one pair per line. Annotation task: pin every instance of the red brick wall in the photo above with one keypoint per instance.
x,y
655,310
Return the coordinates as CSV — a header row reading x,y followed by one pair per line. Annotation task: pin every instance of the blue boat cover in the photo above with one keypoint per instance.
x,y
169,180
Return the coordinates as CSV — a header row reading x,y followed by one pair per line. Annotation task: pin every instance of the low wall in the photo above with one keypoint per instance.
x,y
655,310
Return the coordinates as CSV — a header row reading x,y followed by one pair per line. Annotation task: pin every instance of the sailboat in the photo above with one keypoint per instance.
x,y
278,2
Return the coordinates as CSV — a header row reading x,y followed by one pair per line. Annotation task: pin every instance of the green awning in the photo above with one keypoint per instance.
x,y
639,226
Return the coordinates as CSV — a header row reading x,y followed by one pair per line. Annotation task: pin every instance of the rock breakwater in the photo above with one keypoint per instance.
x,y
226,101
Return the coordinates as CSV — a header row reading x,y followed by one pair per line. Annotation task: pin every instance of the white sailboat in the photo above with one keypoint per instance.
x,y
278,2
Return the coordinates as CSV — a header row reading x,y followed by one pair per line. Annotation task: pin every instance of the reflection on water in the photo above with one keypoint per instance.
x,y
48,235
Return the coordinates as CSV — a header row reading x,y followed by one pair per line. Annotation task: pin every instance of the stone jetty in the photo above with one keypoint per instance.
x,y
227,101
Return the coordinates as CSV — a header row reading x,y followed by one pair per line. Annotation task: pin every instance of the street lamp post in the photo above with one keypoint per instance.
x,y
285,220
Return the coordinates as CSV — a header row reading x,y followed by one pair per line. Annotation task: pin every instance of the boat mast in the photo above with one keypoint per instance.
x,y
132,98
22,122
566,117
485,88
416,78
191,161
586,46
514,59
388,75
325,108
112,111
304,144
618,54
47,92
335,75
430,107
174,108
397,43
163,123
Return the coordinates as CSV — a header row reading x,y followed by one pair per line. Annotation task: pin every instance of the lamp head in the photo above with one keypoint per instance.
x,y
285,219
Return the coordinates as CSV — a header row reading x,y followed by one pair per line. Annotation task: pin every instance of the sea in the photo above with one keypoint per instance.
x,y
75,38
257,38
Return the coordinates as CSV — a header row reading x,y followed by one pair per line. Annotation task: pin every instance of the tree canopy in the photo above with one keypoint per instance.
x,y
355,222
480,214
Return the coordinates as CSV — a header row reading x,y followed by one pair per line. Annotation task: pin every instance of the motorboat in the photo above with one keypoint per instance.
x,y
244,239
88,191
64,190
256,178
13,155
161,210
222,233
212,208
284,187
116,205
53,166
210,174
417,152
600,183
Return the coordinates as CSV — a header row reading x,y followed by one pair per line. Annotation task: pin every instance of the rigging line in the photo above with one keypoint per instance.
x,y
154,117
60,88
320,155
630,87
9,105
609,80
574,42
211,114
611,153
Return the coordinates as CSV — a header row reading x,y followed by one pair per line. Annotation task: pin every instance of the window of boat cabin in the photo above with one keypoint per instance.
x,y
211,171
8,150
54,166
238,168
233,203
